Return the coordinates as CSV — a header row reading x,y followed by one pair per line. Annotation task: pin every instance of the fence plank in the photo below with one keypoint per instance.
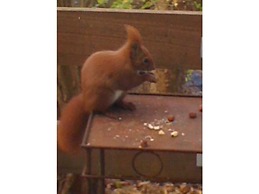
x,y
173,37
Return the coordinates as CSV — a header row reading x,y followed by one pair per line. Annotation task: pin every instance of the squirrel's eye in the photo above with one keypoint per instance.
x,y
146,61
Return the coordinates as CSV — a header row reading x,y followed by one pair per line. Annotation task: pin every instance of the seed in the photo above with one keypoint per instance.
x,y
156,127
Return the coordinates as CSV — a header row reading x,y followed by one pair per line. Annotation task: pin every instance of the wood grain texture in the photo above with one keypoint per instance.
x,y
172,37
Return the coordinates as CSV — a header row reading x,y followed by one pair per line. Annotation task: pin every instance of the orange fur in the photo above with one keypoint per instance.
x,y
105,78
72,122
133,34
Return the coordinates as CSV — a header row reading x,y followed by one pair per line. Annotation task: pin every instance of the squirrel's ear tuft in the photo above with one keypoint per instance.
x,y
133,34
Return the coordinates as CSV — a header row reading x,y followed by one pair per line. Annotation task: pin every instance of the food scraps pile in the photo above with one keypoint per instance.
x,y
163,125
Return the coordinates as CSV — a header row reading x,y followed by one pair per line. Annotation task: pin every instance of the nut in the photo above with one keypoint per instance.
x,y
150,126
192,115
174,134
170,118
161,132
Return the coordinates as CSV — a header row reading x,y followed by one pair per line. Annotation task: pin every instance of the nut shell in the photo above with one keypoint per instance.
x,y
170,118
174,133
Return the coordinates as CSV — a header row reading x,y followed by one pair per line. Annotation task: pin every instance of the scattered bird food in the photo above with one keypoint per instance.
x,y
192,115
161,132
150,126
170,118
149,138
174,133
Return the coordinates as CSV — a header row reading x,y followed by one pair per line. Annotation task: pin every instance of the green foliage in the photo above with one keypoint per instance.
x,y
197,5
122,4
188,75
191,5
147,4
132,4
102,3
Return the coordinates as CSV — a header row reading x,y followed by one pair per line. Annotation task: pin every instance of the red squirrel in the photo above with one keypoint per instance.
x,y
106,76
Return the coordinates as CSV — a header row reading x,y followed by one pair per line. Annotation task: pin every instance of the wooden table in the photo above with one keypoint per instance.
x,y
124,130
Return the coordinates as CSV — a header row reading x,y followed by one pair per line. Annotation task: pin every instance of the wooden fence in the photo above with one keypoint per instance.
x,y
172,37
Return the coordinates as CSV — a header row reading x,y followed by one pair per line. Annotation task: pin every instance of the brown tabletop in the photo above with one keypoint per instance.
x,y
128,128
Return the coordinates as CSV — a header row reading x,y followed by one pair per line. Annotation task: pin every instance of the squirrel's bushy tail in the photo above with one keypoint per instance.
x,y
72,125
